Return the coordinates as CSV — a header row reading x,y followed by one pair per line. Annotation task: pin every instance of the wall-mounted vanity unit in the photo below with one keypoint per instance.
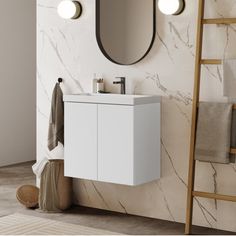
x,y
112,138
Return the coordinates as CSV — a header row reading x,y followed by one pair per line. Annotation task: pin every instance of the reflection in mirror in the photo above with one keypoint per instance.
x,y
125,29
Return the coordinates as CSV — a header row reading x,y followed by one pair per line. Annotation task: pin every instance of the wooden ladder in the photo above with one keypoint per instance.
x,y
199,61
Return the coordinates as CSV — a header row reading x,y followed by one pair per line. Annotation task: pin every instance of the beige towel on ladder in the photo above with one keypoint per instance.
x,y
213,132
56,124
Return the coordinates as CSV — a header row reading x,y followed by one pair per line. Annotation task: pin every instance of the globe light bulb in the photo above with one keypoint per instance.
x,y
69,9
171,7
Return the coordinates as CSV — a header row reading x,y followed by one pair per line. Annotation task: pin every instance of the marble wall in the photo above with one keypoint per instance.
x,y
68,49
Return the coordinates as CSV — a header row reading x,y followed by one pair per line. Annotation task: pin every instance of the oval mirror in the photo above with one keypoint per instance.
x,y
125,29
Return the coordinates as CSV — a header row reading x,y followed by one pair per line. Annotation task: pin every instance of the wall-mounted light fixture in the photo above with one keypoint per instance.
x,y
171,7
68,9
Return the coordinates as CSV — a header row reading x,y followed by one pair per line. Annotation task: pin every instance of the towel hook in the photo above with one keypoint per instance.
x,y
60,80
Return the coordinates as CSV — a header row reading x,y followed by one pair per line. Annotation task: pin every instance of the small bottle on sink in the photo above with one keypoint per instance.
x,y
100,86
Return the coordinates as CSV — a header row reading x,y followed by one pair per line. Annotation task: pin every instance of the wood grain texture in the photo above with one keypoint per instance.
x,y
211,62
219,21
196,90
233,151
214,196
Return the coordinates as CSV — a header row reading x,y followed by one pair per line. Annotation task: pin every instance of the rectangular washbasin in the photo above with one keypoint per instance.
x,y
122,99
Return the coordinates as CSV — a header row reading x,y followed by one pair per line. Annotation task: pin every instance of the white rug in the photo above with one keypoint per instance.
x,y
18,224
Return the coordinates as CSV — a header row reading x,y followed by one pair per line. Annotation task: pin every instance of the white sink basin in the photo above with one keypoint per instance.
x,y
122,99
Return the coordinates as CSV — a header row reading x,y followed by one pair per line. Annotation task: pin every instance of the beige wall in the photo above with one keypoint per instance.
x,y
17,78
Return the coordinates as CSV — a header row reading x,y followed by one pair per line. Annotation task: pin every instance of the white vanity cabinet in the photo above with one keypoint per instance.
x,y
116,141
81,140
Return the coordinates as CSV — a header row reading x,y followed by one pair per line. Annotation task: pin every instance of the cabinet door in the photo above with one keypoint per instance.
x,y
115,144
81,140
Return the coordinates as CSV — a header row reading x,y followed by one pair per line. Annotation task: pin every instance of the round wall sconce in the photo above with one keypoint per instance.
x,y
68,9
171,7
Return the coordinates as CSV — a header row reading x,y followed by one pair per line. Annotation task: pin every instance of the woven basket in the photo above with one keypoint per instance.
x,y
28,195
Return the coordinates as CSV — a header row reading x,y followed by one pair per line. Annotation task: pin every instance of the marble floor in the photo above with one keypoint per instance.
x,y
12,177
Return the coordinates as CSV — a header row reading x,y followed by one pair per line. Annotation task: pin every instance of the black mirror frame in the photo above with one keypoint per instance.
x,y
97,23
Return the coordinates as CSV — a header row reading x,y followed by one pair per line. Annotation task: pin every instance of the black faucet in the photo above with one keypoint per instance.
x,y
122,84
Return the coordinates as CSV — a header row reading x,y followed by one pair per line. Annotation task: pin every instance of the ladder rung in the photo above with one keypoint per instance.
x,y
211,62
214,196
219,21
233,151
234,106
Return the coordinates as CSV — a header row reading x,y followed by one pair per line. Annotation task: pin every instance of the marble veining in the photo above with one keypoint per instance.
x,y
68,49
